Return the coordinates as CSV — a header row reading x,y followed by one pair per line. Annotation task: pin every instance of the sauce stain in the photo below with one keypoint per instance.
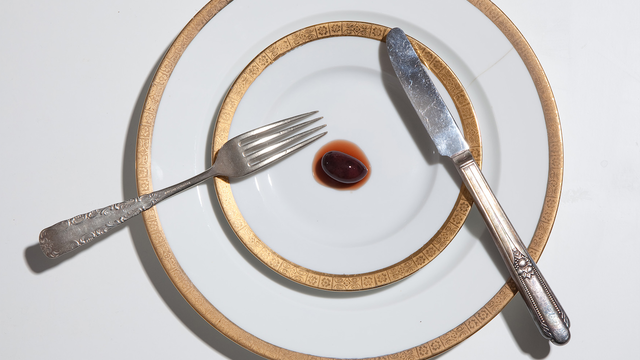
x,y
348,148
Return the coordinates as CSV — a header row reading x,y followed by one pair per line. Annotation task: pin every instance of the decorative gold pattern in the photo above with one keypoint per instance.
x,y
339,282
424,351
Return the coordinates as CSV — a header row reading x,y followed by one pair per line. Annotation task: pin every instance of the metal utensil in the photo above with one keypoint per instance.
x,y
238,157
545,309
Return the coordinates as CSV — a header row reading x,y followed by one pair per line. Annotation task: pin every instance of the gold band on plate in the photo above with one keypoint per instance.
x,y
340,282
429,348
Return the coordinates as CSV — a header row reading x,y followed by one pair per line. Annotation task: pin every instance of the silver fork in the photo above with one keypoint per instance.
x,y
238,157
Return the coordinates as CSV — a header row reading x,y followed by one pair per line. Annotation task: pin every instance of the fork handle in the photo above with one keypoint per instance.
x,y
545,309
80,230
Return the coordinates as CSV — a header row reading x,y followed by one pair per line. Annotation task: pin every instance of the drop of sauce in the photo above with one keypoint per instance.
x,y
345,147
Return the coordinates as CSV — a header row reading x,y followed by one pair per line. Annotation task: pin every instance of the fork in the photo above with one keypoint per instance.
x,y
238,157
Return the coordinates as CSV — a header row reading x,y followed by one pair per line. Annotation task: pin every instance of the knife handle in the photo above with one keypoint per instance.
x,y
545,309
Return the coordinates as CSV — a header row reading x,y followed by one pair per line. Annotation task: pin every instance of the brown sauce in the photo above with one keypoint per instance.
x,y
348,148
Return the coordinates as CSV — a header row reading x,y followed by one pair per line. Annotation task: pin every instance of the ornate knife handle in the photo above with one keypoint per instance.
x,y
80,230
545,309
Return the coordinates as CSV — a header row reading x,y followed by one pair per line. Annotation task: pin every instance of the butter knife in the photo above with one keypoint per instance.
x,y
545,309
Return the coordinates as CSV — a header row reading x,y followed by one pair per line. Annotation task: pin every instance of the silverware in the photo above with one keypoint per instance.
x,y
545,309
238,157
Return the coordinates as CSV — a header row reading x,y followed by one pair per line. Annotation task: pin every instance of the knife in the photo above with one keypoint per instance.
x,y
545,309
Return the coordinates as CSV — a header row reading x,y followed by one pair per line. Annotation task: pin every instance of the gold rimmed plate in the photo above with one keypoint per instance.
x,y
329,238
437,307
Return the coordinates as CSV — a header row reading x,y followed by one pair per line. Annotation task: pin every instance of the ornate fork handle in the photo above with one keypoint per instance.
x,y
238,157
80,230
543,305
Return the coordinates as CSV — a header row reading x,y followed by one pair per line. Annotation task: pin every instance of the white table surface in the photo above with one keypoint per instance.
x,y
73,76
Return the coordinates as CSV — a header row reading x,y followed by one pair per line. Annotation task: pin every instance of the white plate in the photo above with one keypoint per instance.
x,y
328,230
410,207
425,314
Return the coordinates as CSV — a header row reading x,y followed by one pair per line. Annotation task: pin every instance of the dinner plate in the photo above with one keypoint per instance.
x,y
408,209
425,314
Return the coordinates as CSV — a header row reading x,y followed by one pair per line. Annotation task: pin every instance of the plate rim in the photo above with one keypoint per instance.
x,y
423,351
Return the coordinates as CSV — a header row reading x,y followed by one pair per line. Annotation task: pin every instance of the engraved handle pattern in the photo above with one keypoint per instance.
x,y
80,230
543,305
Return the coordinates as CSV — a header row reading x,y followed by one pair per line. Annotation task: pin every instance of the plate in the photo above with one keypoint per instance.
x,y
427,313
410,207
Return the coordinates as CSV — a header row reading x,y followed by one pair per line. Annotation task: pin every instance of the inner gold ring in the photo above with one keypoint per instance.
x,y
338,282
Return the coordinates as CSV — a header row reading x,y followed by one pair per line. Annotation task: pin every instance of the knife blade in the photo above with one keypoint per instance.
x,y
543,305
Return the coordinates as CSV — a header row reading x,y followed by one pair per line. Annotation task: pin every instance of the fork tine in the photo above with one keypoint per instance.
x,y
255,133
268,140
256,165
279,145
